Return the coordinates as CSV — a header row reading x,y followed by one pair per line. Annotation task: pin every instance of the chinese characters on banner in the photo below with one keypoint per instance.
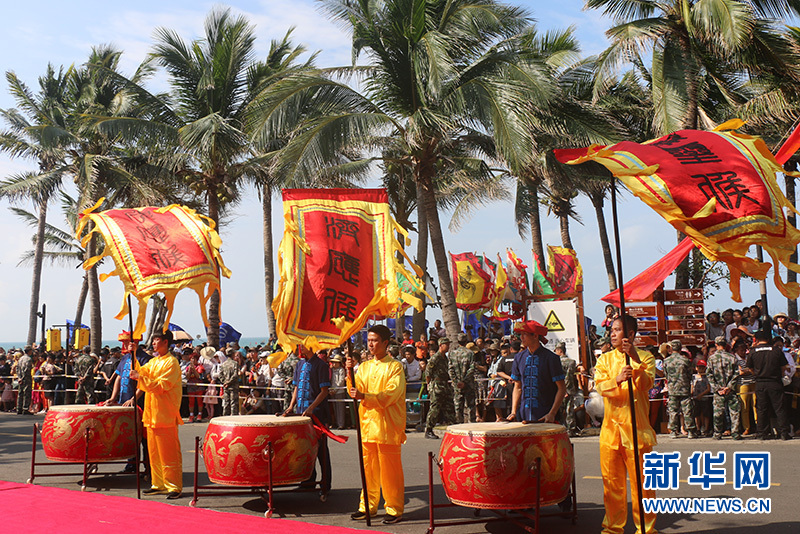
x,y
750,469
157,250
716,187
338,266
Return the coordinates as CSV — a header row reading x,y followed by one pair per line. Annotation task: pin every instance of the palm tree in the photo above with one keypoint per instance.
x,y
36,131
440,75
197,132
700,49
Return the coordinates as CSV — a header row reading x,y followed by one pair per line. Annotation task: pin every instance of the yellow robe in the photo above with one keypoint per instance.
x,y
616,436
383,430
160,379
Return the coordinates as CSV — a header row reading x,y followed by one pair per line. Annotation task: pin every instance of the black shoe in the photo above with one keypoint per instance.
x,y
566,505
358,516
766,437
172,495
786,437
430,435
390,519
154,491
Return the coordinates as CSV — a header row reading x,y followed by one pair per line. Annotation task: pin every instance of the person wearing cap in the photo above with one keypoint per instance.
x,y
84,370
229,378
380,385
440,389
768,364
338,388
678,370
779,327
496,396
574,400
24,370
722,374
617,461
160,379
538,378
461,368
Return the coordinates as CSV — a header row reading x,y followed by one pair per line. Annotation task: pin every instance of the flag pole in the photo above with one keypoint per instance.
x,y
621,285
358,437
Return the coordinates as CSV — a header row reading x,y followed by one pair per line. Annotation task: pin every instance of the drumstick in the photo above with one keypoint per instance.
x,y
358,436
621,285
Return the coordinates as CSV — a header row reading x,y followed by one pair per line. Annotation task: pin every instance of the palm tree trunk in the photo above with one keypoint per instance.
x,y
563,222
448,298
38,260
537,245
597,202
791,276
96,318
422,260
213,303
81,305
682,271
269,253
692,83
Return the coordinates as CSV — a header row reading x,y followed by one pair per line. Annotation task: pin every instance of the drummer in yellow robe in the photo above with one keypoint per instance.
x,y
381,388
616,435
160,378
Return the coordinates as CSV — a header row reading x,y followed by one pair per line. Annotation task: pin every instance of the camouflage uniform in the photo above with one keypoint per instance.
x,y
461,367
574,398
229,378
25,378
286,371
722,373
441,392
678,369
84,369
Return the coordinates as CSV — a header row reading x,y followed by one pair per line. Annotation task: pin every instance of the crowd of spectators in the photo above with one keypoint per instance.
x,y
249,384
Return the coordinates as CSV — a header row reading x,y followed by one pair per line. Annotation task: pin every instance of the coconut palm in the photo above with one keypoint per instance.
x,y
197,132
439,74
37,131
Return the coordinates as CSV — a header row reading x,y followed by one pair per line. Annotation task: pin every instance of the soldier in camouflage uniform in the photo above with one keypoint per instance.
x,y
678,369
722,374
574,399
84,370
25,377
440,389
286,371
229,378
461,368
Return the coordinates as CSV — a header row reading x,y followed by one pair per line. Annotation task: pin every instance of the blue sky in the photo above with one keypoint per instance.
x,y
63,33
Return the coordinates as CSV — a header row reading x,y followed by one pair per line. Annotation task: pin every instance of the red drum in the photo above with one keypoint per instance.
x,y
111,433
490,465
234,449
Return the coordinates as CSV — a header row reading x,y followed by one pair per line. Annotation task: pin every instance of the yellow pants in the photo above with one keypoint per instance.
x,y
614,464
166,462
384,471
747,392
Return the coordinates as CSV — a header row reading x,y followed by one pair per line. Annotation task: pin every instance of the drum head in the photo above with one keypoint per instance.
x,y
83,408
505,429
260,420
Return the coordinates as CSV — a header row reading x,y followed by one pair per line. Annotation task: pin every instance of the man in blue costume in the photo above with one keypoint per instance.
x,y
538,377
310,397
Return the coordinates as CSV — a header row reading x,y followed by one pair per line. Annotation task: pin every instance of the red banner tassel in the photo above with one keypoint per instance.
x,y
327,431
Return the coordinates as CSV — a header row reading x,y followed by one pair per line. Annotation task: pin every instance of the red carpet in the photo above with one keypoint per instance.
x,y
31,508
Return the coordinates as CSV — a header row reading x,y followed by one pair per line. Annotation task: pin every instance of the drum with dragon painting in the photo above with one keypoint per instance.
x,y
111,433
490,465
235,449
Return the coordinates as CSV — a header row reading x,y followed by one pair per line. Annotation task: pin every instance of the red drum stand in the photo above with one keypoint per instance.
x,y
92,439
516,516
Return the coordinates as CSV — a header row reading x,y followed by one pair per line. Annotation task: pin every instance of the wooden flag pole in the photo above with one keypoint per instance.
x,y
631,398
358,437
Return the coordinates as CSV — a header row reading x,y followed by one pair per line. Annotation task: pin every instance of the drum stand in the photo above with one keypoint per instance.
x,y
265,492
89,468
503,515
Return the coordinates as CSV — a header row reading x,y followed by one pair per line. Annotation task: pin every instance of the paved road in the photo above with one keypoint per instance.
x,y
15,452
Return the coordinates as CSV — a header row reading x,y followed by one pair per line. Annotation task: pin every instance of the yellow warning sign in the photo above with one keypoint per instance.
x,y
553,323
